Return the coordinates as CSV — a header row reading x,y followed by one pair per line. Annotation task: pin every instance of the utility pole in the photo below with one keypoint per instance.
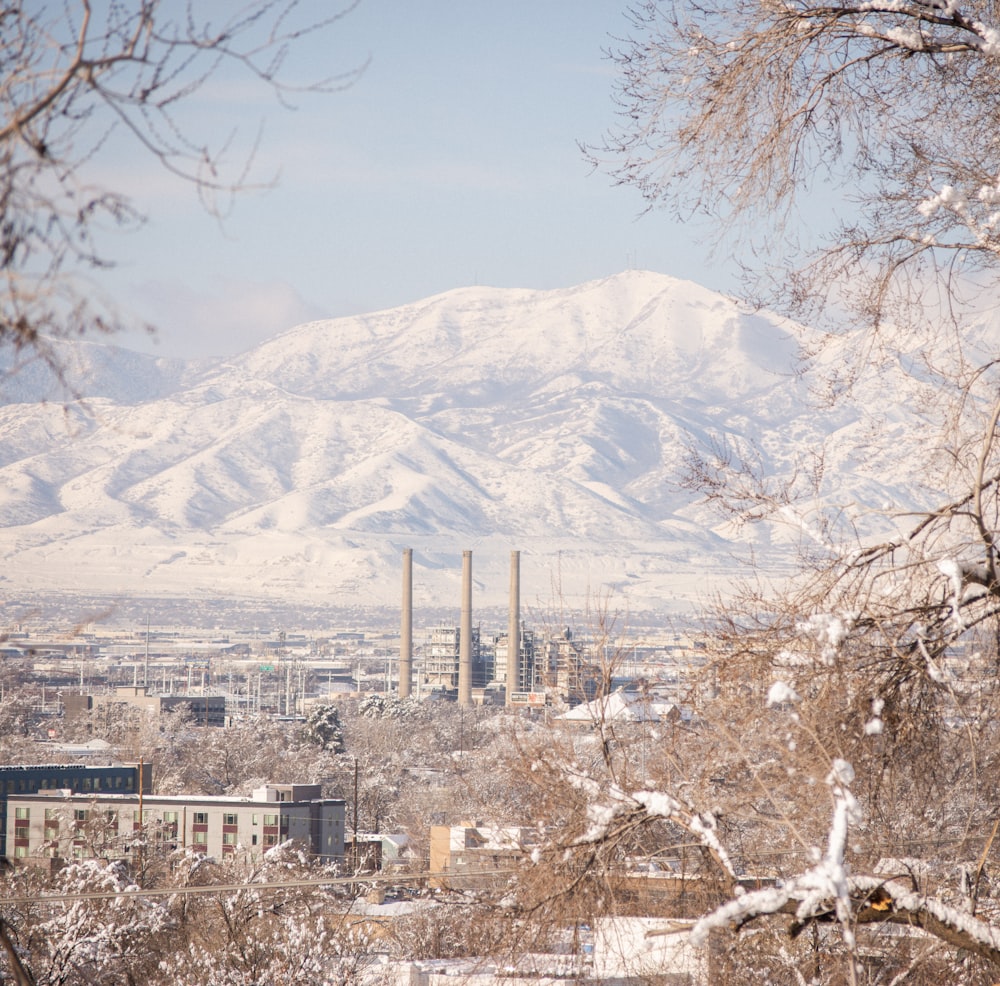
x,y
465,634
354,852
406,629
513,678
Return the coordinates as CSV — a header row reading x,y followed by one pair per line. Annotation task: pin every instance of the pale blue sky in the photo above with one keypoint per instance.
x,y
452,160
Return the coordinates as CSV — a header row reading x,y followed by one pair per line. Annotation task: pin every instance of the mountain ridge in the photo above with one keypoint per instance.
x,y
558,423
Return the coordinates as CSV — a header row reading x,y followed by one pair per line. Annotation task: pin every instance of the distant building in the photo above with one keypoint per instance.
x,y
127,702
363,853
76,778
528,676
473,851
567,672
619,707
376,851
635,950
57,824
441,659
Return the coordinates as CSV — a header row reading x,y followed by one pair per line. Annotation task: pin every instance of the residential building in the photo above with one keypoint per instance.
x,y
619,707
635,950
477,850
59,824
372,851
75,778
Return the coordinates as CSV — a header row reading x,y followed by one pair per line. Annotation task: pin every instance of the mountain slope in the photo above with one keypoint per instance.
x,y
554,422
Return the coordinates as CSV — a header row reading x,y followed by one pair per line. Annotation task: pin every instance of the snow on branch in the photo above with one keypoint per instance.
x,y
821,892
614,806
871,900
828,892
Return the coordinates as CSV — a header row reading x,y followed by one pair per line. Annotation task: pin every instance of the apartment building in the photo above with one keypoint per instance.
x,y
474,851
57,824
75,778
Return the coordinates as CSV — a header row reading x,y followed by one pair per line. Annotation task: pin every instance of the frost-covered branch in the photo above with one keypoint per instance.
x,y
611,808
828,892
869,899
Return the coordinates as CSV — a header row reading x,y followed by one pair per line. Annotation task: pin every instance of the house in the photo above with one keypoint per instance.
x,y
620,951
619,706
373,851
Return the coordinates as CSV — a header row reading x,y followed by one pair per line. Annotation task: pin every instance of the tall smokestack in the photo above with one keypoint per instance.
x,y
514,628
406,628
465,634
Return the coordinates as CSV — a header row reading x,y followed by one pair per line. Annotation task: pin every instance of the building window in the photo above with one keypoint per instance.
x,y
80,814
229,819
51,813
170,816
21,851
270,819
254,819
200,838
200,818
229,838
22,812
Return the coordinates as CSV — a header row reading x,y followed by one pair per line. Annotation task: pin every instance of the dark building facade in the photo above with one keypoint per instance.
x,y
78,778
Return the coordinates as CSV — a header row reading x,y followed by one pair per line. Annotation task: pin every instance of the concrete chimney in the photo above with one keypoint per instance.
x,y
514,628
406,628
465,634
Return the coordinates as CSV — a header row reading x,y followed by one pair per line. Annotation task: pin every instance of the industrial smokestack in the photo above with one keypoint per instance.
x,y
406,628
514,629
465,634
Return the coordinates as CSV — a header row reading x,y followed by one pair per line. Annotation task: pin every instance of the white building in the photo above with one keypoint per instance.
x,y
59,824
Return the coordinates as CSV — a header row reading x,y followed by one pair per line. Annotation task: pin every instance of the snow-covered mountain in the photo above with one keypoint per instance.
x,y
554,422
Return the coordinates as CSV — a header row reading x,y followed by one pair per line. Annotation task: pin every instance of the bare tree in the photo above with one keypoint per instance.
x,y
738,111
71,76
746,109
852,736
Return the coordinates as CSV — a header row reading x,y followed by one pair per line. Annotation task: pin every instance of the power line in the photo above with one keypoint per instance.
x,y
141,892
